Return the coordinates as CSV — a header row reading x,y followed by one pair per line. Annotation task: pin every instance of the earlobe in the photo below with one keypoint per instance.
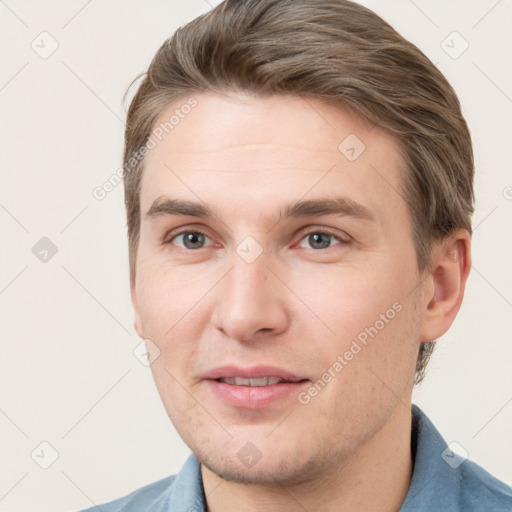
x,y
137,324
451,263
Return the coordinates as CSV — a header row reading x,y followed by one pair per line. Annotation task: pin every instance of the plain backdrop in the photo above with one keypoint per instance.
x,y
68,375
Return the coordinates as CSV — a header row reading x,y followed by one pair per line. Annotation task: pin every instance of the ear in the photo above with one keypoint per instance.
x,y
445,283
135,304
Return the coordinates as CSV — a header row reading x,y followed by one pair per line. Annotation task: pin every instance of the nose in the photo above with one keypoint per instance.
x,y
251,302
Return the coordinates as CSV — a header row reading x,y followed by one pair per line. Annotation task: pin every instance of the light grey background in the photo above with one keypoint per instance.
x,y
68,376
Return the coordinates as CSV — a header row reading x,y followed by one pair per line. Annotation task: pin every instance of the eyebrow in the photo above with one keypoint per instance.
x,y
342,206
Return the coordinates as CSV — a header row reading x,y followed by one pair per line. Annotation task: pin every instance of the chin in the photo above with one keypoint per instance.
x,y
286,467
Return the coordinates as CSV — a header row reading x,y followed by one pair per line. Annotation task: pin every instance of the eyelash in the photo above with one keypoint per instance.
x,y
170,237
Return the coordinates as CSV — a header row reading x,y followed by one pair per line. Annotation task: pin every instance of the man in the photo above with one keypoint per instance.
x,y
298,184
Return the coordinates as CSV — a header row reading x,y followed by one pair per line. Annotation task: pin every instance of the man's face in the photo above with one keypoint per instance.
x,y
327,304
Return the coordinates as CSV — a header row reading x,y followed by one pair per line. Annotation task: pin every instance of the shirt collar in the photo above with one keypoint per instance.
x,y
434,468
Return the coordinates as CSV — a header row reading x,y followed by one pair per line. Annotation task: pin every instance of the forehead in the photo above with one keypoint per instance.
x,y
268,150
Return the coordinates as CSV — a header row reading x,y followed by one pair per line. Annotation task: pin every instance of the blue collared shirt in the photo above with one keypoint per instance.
x,y
442,481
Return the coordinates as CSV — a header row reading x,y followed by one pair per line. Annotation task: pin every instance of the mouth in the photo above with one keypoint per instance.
x,y
255,382
255,387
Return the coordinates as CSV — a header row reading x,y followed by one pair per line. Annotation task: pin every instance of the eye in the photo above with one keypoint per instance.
x,y
321,240
317,239
189,240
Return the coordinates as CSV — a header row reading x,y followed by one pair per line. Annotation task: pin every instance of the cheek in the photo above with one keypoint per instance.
x,y
172,306
366,317
168,299
348,300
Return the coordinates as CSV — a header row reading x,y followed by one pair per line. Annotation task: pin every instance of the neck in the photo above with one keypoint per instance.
x,y
375,478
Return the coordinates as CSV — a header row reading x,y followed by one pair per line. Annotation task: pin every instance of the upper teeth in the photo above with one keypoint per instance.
x,y
260,381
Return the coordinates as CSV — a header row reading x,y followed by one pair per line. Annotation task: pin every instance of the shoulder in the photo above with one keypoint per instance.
x,y
445,480
148,497
479,490
183,491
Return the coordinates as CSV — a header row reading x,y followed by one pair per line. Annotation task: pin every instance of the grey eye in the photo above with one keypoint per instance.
x,y
191,239
319,240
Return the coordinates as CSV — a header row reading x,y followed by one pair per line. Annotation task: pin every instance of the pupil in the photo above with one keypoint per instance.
x,y
192,240
316,238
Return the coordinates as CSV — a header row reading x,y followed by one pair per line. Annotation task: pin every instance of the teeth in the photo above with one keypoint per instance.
x,y
257,382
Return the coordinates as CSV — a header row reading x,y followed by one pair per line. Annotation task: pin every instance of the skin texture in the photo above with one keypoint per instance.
x,y
296,306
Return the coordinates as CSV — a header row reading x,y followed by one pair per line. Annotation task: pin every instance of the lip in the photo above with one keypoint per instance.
x,y
253,397
252,372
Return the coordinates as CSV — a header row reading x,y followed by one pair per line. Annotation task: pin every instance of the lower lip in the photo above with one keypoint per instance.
x,y
254,397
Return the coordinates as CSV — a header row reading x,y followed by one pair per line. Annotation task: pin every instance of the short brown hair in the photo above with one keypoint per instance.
x,y
332,50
